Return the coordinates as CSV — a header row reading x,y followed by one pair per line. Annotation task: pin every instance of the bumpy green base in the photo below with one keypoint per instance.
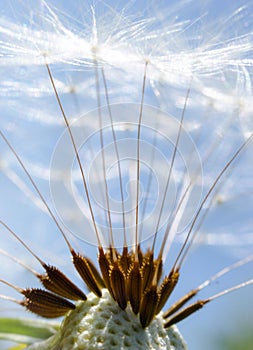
x,y
99,323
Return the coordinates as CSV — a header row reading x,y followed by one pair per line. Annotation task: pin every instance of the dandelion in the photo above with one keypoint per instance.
x,y
146,114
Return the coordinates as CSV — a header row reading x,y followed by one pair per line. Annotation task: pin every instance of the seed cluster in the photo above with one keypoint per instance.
x,y
98,323
132,278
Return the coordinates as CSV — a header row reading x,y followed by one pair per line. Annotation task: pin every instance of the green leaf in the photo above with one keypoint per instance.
x,y
18,347
26,330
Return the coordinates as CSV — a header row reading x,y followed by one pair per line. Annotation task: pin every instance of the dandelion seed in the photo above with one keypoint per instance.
x,y
99,88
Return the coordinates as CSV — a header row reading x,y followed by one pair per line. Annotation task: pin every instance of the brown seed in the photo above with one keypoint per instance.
x,y
125,260
181,302
84,270
141,256
105,268
159,267
46,304
167,288
118,285
134,287
187,311
147,271
148,306
111,254
55,281
95,272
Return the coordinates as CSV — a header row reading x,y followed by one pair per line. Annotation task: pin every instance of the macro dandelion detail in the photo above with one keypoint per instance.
x,y
126,143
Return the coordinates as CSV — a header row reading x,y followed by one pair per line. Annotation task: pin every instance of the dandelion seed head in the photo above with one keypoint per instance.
x,y
99,323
